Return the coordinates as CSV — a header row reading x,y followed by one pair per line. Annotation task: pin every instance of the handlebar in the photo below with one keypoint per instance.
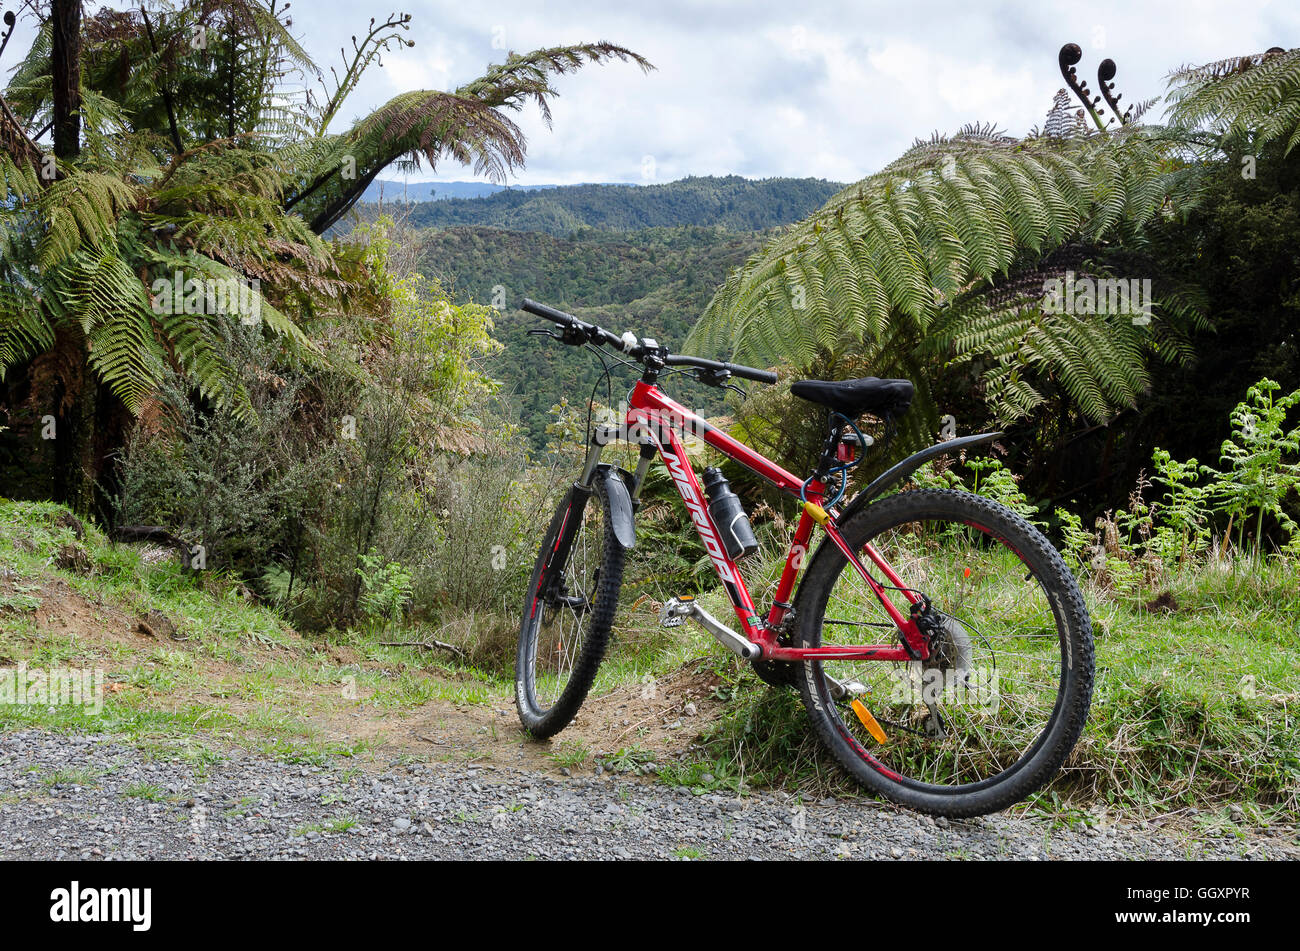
x,y
590,332
579,332
730,369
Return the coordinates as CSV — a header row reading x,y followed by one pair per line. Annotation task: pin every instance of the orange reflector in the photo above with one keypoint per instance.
x,y
868,721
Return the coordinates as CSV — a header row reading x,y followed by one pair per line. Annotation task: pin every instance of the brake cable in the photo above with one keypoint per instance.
x,y
607,362
609,386
842,470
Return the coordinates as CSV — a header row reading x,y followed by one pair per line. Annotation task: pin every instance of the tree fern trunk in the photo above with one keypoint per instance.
x,y
83,414
76,434
74,405
65,66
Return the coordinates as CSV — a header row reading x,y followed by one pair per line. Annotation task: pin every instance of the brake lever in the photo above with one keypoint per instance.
x,y
569,335
712,377
717,378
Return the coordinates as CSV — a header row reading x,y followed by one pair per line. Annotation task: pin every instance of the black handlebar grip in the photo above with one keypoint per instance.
x,y
550,313
750,373
594,333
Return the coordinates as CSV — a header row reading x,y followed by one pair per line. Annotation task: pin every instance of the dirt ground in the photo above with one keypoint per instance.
x,y
662,719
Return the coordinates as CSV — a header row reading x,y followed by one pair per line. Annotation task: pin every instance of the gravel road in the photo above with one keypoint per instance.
x,y
80,797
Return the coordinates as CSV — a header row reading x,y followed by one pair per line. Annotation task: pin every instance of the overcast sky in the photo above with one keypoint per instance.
x,y
808,88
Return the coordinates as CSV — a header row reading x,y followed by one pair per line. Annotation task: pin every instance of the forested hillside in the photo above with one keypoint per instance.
x,y
642,258
655,281
732,202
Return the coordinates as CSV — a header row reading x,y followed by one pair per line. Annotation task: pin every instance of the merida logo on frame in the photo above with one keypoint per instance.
x,y
75,904
700,516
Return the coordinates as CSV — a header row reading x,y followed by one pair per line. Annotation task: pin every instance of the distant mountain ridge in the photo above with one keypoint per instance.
x,y
730,202
642,257
392,191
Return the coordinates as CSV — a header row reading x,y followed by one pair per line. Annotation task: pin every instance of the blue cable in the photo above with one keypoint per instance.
x,y
842,469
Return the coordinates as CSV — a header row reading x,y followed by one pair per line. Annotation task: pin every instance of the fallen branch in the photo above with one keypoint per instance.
x,y
155,534
431,644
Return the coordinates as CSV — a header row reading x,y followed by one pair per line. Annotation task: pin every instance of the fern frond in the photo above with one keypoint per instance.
x,y
80,211
881,260
25,329
106,298
1256,95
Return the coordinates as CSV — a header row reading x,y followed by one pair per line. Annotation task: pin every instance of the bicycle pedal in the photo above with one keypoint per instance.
x,y
675,611
846,688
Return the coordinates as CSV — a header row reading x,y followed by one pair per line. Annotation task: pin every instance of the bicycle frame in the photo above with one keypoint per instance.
x,y
653,421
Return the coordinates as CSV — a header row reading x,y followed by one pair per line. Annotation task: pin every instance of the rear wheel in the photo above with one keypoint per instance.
x,y
568,611
992,713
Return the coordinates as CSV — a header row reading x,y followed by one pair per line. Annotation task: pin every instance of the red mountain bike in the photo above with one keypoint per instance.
x,y
938,640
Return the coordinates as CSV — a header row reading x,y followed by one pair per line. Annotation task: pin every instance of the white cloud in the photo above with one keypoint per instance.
x,y
765,87
432,69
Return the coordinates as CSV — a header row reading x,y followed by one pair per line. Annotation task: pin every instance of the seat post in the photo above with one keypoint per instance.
x,y
827,459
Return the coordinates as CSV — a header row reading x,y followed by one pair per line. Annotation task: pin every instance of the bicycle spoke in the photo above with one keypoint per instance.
x,y
562,627
972,712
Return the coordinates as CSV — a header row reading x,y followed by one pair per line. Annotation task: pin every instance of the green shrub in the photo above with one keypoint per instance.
x,y
384,487
386,588
1262,464
237,487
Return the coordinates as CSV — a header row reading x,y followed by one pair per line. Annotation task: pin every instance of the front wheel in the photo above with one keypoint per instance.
x,y
568,611
991,714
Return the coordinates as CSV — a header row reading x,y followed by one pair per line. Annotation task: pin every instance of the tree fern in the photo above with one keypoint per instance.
x,y
200,161
467,125
900,265
1256,96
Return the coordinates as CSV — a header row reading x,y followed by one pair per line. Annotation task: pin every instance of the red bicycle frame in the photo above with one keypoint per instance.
x,y
653,416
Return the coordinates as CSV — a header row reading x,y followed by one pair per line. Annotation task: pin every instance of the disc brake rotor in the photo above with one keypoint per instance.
x,y
951,651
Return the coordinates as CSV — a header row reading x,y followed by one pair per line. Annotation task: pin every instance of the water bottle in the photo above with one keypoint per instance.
x,y
728,515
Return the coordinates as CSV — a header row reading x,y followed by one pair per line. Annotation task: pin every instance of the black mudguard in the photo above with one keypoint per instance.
x,y
620,504
565,521
900,471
